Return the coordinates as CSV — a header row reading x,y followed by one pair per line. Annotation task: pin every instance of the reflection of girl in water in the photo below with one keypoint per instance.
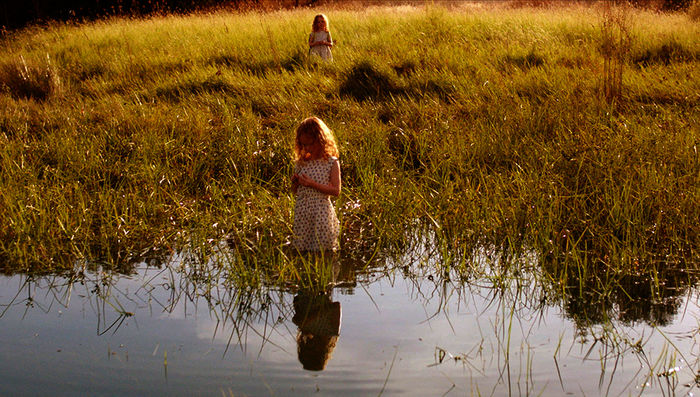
x,y
318,319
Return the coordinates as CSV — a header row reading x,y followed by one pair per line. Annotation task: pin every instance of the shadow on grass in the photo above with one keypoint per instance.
x,y
212,85
404,147
367,81
665,54
524,61
291,63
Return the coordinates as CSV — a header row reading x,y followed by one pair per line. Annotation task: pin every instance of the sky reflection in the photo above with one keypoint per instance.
x,y
154,332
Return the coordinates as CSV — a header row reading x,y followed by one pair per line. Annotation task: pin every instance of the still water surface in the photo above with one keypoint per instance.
x,y
389,332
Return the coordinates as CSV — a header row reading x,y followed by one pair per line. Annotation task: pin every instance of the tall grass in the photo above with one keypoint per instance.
x,y
483,127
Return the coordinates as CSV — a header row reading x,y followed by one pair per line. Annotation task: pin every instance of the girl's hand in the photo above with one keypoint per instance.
x,y
305,181
333,186
295,183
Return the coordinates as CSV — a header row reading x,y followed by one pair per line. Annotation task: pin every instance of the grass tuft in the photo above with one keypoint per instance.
x,y
365,81
526,61
29,81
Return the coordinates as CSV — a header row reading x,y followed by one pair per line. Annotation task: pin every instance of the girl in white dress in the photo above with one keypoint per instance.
x,y
320,41
316,178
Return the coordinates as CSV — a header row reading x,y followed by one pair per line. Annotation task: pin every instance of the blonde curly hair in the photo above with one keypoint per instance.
x,y
317,18
316,129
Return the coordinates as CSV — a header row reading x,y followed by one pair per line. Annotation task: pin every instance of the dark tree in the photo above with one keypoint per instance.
x,y
17,14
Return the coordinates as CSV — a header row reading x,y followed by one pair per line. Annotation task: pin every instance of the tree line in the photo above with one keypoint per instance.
x,y
18,14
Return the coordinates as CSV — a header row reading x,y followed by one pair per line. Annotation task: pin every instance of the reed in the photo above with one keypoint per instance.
x,y
616,42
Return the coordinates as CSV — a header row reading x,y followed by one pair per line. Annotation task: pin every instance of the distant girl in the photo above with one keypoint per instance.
x,y
320,41
316,178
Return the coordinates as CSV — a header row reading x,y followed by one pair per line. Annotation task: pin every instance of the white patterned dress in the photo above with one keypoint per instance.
x,y
316,225
322,51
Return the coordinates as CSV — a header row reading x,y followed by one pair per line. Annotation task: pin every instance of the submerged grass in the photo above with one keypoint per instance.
x,y
126,139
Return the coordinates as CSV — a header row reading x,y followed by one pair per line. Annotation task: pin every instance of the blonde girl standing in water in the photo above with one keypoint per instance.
x,y
320,41
316,178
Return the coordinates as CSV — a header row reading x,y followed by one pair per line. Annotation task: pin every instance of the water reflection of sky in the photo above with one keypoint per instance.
x,y
402,336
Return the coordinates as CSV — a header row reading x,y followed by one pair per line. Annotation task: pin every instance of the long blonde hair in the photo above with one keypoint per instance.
x,y
319,132
314,25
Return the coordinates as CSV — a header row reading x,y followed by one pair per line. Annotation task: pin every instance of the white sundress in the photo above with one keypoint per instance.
x,y
316,225
322,51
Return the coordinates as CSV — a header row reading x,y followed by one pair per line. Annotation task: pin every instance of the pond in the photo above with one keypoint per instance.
x,y
395,329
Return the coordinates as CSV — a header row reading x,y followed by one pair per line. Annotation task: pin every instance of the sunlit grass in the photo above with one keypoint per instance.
x,y
126,139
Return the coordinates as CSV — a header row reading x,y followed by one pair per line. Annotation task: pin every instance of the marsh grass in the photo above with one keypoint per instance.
x,y
478,128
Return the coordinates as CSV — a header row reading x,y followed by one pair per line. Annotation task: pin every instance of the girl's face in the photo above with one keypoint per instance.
x,y
320,23
310,148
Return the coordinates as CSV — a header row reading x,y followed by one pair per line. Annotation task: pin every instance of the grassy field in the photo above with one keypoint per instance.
x,y
126,139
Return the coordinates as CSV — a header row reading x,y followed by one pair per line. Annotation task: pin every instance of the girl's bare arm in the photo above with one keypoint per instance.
x,y
316,43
